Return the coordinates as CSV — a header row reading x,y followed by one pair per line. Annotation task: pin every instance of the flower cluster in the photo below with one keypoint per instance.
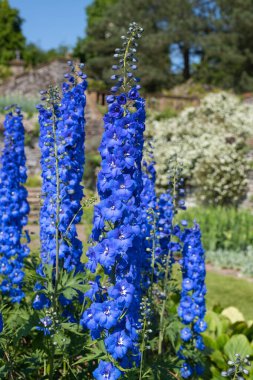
x,y
192,303
14,207
62,147
61,142
114,310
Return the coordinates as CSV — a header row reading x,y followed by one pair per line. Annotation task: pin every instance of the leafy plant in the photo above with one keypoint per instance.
x,y
224,228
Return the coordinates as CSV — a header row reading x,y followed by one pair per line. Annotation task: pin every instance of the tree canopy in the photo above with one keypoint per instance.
x,y
213,39
11,36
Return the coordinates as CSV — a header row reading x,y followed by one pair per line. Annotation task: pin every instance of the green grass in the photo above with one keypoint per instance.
x,y
230,291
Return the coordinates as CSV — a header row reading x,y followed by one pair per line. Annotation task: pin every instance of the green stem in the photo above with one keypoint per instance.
x,y
142,348
125,62
45,368
161,331
51,364
57,205
64,368
165,288
73,219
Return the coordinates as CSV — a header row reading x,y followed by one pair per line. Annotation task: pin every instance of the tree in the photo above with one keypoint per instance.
x,y
104,26
228,57
167,25
95,13
34,55
11,37
188,22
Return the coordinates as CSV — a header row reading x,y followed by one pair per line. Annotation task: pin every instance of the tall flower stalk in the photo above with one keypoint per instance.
x,y
192,306
62,134
114,312
14,207
62,146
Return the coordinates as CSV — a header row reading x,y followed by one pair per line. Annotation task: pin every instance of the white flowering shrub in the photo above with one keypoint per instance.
x,y
210,140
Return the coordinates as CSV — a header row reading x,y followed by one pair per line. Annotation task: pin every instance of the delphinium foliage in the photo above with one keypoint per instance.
x,y
14,207
62,122
114,312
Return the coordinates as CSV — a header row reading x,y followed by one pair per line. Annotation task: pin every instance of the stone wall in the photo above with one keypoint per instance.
x,y
32,81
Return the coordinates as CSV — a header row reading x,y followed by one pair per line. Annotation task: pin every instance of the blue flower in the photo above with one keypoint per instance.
x,y
110,99
192,304
117,344
200,326
186,371
41,301
1,323
106,371
46,322
133,93
107,314
122,99
14,207
116,111
122,292
186,334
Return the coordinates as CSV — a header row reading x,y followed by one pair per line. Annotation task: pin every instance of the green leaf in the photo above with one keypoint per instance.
x,y
238,344
233,314
221,341
218,359
209,342
69,293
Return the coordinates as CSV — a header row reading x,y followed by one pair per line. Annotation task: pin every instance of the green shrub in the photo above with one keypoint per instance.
x,y
223,228
33,181
165,114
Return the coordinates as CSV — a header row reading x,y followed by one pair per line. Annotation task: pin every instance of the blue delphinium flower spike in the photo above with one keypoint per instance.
x,y
192,307
118,244
62,133
14,207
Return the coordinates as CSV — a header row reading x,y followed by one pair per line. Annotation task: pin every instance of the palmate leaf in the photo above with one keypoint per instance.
x,y
74,281
61,339
69,293
72,327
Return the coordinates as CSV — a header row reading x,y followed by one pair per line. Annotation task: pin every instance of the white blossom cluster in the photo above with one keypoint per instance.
x,y
211,142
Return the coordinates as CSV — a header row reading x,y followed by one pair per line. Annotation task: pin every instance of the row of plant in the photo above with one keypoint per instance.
x,y
118,312
224,228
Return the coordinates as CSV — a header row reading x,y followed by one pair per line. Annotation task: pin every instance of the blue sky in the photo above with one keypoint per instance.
x,y
50,23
